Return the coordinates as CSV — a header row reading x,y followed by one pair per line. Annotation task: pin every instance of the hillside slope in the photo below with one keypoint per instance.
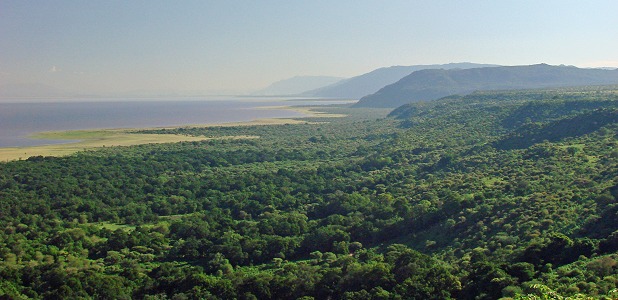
x,y
368,83
494,194
296,85
427,85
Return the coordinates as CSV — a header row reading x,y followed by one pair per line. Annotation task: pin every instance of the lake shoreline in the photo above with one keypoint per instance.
x,y
88,139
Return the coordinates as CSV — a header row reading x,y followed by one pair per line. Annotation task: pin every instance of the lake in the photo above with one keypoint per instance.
x,y
19,120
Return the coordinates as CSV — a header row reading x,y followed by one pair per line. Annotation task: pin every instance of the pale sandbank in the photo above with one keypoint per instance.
x,y
90,139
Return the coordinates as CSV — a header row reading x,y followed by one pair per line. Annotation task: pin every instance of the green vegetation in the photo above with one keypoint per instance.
x,y
86,139
432,84
508,194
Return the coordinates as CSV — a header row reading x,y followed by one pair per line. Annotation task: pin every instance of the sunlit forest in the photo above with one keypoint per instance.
x,y
501,194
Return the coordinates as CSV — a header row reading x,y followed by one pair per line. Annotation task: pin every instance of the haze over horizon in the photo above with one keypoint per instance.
x,y
234,47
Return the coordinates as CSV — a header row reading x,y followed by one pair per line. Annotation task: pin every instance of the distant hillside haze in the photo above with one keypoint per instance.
x,y
297,85
31,90
433,84
369,83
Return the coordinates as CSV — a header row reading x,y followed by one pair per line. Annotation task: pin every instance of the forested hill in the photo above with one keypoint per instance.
x,y
369,83
494,194
434,84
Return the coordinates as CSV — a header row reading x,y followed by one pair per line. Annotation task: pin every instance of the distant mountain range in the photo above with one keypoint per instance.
x,y
369,83
383,87
432,84
296,85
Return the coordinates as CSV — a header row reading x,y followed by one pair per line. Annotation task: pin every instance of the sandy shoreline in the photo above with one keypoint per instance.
x,y
97,138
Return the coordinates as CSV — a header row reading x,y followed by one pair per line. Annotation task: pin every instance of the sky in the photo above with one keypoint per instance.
x,y
187,47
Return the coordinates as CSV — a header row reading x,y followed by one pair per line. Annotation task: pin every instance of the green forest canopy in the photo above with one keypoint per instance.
x,y
494,194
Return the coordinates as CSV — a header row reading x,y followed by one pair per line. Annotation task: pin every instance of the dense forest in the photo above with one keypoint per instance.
x,y
501,194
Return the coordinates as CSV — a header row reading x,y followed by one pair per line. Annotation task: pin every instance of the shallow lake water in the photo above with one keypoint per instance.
x,y
19,120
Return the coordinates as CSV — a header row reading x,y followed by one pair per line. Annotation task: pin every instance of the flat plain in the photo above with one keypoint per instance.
x,y
80,140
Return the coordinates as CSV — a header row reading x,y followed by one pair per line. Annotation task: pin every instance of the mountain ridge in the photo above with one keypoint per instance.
x,y
296,85
368,83
431,84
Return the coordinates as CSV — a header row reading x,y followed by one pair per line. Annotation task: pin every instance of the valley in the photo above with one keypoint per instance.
x,y
488,195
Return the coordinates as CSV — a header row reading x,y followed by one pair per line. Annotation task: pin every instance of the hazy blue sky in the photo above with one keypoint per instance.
x,y
118,46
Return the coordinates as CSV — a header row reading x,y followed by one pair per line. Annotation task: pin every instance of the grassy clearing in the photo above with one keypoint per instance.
x,y
491,181
310,111
175,217
114,227
88,139
273,121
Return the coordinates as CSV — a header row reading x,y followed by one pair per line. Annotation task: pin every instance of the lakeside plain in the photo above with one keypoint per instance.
x,y
81,140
